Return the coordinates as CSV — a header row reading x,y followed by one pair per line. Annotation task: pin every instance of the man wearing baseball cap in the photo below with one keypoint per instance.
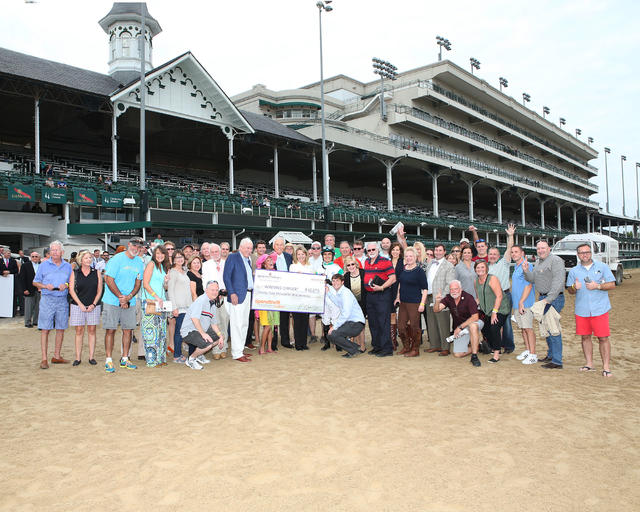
x,y
122,276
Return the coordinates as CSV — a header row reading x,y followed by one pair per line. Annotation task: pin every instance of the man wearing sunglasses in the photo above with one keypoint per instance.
x,y
480,245
359,254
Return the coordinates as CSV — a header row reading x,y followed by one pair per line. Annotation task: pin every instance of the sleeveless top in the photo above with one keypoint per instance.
x,y
198,281
486,298
86,287
156,283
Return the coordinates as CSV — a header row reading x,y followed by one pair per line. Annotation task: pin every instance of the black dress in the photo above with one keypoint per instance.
x,y
198,281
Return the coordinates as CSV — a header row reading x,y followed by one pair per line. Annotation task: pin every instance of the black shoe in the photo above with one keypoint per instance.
x,y
299,348
362,350
552,366
29,326
338,349
288,345
475,361
305,348
326,346
92,362
348,356
135,340
494,360
384,354
141,358
507,351
374,351
546,359
76,362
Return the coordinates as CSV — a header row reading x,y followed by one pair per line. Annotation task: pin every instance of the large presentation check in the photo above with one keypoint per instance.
x,y
288,291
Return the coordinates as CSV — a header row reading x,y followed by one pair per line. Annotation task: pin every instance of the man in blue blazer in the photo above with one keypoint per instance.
x,y
238,278
283,262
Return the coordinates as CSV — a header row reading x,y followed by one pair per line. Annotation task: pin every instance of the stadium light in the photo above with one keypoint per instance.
x,y
589,140
526,98
386,70
623,159
545,111
563,121
578,132
442,42
475,64
606,175
323,6
503,83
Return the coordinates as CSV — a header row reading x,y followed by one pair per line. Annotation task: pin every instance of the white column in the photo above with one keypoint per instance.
x,y
37,135
588,222
314,170
389,165
470,186
276,183
559,215
499,204
522,198
114,146
66,213
231,187
575,220
542,202
434,181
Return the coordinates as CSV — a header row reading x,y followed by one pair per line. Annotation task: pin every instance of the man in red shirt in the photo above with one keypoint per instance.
x,y
480,244
345,250
379,276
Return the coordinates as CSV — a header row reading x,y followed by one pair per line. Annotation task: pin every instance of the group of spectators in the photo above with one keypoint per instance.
x,y
461,302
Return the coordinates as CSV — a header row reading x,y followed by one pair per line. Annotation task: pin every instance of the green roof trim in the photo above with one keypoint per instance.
x,y
288,104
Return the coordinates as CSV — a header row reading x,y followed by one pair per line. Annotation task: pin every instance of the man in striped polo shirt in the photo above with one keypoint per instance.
x,y
379,276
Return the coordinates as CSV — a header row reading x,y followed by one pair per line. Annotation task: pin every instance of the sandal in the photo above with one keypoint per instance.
x,y
587,369
180,360
607,373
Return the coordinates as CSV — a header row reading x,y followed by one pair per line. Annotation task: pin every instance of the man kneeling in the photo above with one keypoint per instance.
x,y
200,326
350,322
466,325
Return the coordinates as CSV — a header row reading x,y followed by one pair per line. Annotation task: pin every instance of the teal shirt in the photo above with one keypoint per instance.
x,y
124,271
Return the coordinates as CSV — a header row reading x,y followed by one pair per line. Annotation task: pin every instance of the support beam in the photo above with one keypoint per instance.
x,y
542,202
276,184
314,172
470,185
37,135
114,146
522,212
559,216
575,220
389,166
499,203
231,185
434,182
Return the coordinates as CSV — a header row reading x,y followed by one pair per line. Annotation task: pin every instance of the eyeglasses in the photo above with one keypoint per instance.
x,y
584,252
372,250
351,264
358,248
480,240
316,248
455,250
170,249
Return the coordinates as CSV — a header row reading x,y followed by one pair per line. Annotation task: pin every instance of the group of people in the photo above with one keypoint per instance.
x,y
461,302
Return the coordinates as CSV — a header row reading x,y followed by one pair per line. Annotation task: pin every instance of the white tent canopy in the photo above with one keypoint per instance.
x,y
295,237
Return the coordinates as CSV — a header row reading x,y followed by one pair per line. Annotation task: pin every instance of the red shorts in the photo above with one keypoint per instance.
x,y
596,325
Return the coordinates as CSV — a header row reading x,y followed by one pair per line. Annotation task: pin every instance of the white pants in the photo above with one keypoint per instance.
x,y
239,322
223,325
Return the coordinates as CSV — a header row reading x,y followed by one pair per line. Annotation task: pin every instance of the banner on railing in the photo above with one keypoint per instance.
x,y
275,290
112,200
20,192
54,195
85,197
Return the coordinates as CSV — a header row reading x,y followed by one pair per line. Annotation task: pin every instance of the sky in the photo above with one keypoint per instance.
x,y
578,57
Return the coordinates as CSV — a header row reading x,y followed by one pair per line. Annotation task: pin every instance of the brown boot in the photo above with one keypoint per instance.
x,y
406,344
394,336
414,343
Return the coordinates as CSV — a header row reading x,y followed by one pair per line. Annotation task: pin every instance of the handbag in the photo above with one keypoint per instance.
x,y
150,308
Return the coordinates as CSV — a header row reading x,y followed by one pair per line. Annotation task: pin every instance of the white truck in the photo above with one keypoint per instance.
x,y
603,248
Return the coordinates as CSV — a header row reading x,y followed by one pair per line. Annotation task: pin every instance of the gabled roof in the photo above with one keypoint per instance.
x,y
47,71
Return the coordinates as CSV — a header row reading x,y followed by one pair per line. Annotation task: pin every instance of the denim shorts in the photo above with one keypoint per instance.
x,y
54,313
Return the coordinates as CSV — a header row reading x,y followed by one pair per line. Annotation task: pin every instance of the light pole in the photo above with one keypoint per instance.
x,y
144,197
475,64
323,6
545,112
385,70
503,83
606,175
442,42
563,121
526,98
623,159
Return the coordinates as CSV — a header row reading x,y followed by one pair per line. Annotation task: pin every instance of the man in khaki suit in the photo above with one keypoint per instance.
x,y
440,273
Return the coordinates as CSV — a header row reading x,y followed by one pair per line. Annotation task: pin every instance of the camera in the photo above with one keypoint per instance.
x,y
222,293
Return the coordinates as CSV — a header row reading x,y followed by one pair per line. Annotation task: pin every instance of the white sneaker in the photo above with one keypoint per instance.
x,y
202,360
531,359
523,355
193,364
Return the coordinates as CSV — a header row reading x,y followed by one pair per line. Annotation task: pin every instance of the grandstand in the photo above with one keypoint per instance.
x,y
453,151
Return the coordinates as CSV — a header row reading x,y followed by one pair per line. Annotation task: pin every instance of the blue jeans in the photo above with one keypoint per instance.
x,y
177,339
507,328
555,342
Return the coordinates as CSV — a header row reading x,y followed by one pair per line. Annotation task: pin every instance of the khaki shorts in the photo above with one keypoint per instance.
x,y
524,321
112,316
